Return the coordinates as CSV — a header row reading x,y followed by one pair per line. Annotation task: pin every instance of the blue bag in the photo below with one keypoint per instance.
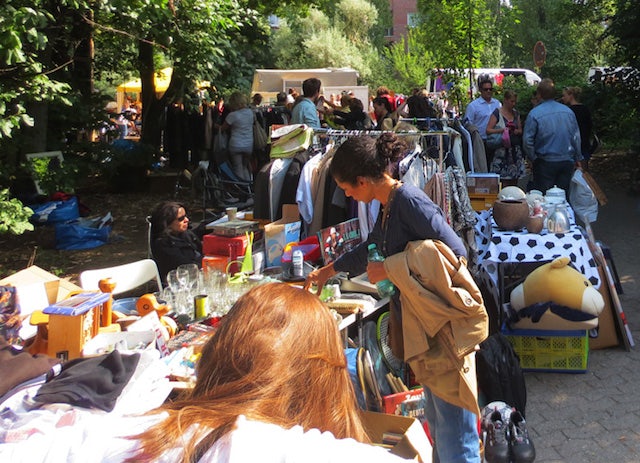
x,y
82,234
55,211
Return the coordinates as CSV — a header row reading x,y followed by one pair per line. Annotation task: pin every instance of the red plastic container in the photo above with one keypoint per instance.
x,y
216,245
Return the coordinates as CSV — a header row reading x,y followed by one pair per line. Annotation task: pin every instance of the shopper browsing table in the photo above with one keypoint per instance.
x,y
361,168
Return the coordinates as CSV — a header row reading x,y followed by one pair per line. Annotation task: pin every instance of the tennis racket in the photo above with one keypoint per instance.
x,y
395,365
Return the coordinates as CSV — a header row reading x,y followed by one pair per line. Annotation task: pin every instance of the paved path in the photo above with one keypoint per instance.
x,y
595,417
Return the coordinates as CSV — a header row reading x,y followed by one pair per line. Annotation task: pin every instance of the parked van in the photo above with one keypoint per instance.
x,y
436,85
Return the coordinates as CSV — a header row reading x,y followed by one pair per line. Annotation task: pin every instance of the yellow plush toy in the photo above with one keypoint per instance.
x,y
557,283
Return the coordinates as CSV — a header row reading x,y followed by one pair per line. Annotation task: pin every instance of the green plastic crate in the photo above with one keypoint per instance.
x,y
553,351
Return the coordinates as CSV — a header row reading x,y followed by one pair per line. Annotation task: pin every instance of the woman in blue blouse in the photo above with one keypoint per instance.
x,y
365,169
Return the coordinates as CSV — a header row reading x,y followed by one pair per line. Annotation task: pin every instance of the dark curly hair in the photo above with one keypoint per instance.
x,y
364,156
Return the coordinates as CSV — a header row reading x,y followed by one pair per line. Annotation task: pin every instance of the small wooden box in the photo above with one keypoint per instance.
x,y
73,322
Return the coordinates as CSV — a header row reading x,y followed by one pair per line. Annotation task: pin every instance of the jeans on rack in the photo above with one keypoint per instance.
x,y
454,431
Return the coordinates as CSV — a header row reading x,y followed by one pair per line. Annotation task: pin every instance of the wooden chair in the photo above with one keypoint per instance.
x,y
126,277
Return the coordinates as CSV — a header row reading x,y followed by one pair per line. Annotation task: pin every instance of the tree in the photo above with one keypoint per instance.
x,y
410,62
23,76
320,40
571,31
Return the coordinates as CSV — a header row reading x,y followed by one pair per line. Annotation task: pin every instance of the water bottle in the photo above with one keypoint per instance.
x,y
385,287
297,262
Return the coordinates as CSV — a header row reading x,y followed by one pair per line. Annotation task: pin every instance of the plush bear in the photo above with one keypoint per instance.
x,y
555,296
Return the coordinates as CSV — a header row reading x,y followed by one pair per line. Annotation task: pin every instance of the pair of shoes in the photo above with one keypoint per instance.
x,y
522,449
496,447
507,438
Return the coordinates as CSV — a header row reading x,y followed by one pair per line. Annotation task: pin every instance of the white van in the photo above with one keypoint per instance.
x,y
476,75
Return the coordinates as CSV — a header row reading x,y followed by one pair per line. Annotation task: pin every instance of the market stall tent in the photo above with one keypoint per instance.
x,y
162,79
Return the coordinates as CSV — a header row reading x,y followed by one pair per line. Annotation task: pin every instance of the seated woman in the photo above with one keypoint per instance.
x,y
172,243
272,385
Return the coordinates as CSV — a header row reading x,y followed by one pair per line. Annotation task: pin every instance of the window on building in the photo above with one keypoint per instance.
x,y
412,19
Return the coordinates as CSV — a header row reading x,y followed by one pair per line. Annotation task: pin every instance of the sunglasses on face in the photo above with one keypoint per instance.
x,y
181,218
487,89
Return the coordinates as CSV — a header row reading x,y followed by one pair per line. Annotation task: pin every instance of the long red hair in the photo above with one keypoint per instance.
x,y
277,357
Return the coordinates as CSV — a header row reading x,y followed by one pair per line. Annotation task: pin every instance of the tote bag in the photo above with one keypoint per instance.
x,y
495,140
259,136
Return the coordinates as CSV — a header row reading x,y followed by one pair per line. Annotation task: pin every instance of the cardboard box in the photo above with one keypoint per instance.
x,y
608,336
56,288
413,444
483,183
281,232
37,289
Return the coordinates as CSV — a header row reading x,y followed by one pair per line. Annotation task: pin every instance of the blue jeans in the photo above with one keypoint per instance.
x,y
454,431
548,174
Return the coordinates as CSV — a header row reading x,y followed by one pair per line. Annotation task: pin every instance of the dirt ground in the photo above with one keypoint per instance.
x,y
129,234
128,240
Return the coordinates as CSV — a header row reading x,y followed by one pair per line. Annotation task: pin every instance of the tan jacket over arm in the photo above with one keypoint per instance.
x,y
443,319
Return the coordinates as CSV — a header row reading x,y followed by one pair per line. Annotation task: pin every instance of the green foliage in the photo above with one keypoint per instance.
x,y
571,31
320,40
23,39
410,62
14,216
463,28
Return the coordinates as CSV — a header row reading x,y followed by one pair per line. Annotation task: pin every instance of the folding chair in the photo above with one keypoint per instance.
x,y
126,277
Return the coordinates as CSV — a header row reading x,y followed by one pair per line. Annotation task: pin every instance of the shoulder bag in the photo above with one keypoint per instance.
x,y
259,136
494,140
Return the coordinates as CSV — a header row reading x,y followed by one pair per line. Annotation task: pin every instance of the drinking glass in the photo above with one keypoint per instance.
x,y
182,274
173,281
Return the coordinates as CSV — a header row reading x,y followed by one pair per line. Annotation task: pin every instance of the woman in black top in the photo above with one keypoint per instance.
x,y
172,243
571,97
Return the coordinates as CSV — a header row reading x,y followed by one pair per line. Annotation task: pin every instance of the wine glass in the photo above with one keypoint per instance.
x,y
182,273
193,275
173,281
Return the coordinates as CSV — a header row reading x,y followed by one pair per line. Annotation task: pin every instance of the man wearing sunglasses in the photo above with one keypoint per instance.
x,y
480,109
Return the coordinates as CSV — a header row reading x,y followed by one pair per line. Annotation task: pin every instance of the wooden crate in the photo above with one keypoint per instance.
x,y
481,202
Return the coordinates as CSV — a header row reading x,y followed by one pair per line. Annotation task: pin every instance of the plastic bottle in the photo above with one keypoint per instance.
x,y
297,262
385,287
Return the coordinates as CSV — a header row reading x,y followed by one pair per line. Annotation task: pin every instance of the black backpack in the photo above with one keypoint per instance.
x,y
500,377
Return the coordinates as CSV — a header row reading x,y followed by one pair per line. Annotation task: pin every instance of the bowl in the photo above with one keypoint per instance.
x,y
511,214
535,224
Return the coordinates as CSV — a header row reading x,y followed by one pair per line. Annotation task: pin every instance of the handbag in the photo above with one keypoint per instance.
x,y
220,147
495,140
259,136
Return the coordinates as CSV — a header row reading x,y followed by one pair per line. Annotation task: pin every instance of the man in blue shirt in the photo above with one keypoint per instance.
x,y
304,110
479,111
551,140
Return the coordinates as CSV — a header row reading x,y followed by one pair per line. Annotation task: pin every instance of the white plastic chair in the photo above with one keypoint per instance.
x,y
126,277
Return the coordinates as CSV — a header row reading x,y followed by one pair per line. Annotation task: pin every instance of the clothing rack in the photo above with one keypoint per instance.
x,y
376,133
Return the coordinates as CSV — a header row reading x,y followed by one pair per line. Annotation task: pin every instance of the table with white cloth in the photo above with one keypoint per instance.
x,y
501,253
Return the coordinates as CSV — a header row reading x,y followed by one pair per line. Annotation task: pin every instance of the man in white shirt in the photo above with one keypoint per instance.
x,y
479,111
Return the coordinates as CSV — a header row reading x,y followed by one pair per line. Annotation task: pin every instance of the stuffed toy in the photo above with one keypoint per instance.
x,y
555,296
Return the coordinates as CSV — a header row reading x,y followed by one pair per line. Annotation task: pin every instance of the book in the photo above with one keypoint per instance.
x,y
339,239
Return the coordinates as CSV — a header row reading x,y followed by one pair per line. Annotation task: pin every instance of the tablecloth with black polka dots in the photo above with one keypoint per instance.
x,y
497,246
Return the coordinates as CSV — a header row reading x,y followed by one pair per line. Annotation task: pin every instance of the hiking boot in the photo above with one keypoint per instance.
x,y
521,445
496,447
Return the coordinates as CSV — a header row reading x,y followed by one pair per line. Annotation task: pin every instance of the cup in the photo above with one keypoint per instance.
x,y
232,213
